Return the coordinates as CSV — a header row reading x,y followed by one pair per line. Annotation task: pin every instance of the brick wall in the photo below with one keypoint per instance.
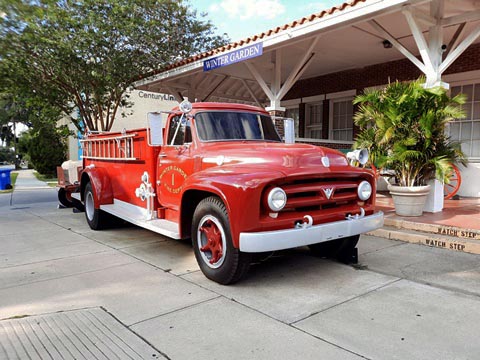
x,y
377,75
358,79
277,117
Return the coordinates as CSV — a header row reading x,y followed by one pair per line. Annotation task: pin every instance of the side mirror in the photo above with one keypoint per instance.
x,y
289,129
155,129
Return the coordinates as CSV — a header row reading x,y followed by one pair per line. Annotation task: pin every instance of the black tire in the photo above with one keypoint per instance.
x,y
78,206
335,249
220,261
96,218
64,199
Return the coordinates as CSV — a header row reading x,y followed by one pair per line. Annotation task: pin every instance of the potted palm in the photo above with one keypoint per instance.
x,y
403,126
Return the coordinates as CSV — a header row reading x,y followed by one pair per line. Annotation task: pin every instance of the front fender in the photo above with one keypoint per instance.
x,y
240,191
101,185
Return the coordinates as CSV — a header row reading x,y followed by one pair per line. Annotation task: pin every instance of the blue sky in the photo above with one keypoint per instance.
x,y
243,18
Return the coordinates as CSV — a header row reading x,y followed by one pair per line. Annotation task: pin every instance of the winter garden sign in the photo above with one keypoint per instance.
x,y
233,57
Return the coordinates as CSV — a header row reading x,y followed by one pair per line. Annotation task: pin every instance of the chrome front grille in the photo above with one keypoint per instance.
x,y
318,194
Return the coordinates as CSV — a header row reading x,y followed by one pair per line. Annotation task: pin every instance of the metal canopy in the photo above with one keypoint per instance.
x,y
432,34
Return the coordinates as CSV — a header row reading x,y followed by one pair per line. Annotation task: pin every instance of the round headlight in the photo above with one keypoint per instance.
x,y
277,199
364,190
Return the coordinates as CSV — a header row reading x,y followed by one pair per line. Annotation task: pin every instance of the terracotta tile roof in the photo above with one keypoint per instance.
x,y
262,35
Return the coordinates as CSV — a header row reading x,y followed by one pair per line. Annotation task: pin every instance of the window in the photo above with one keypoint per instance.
x,y
314,121
218,126
467,130
293,113
179,132
342,120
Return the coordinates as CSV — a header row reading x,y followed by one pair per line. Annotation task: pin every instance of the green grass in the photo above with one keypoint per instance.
x,y
51,181
13,179
42,177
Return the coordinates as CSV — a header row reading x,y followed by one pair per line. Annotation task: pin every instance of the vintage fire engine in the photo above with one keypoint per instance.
x,y
219,174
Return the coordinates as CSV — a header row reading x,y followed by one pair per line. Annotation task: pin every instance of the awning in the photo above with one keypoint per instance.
x,y
432,34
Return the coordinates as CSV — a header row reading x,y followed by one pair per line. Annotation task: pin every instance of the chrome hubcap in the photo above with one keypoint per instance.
x,y
89,206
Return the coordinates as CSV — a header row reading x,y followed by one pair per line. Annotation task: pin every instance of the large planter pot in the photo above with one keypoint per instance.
x,y
409,200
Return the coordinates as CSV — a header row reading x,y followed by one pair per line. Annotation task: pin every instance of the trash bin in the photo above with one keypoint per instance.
x,y
5,178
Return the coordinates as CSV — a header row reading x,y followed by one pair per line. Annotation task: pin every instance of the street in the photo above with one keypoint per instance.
x,y
402,301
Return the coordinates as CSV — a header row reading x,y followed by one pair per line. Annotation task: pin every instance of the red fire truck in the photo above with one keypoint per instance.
x,y
219,174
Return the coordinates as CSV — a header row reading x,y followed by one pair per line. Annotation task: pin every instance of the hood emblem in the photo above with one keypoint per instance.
x,y
325,161
328,192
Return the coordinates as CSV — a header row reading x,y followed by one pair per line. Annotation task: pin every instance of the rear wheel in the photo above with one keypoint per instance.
x,y
64,198
96,218
78,205
337,249
218,259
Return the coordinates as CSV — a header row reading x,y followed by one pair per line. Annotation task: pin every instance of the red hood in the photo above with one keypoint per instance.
x,y
290,159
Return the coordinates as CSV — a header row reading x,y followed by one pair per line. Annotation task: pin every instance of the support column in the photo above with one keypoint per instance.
x,y
435,50
277,90
277,117
431,52
435,198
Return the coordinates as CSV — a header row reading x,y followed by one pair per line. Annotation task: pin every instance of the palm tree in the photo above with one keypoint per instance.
x,y
403,126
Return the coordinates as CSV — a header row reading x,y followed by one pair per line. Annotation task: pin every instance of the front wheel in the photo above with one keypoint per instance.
x,y
337,249
218,259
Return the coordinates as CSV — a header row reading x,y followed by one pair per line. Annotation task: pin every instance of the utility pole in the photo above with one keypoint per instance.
x,y
15,144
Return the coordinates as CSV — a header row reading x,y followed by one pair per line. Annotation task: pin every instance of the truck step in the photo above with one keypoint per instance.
x,y
429,239
137,216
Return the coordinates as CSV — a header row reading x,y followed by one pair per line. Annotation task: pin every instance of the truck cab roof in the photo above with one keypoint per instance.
x,y
224,106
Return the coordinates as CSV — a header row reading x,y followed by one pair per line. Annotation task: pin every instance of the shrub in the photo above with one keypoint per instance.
x,y
47,149
403,126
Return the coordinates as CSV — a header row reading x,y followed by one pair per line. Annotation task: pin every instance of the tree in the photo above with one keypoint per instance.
x,y
6,156
44,142
85,54
12,112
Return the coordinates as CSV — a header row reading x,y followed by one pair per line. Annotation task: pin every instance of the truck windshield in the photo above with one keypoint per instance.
x,y
223,125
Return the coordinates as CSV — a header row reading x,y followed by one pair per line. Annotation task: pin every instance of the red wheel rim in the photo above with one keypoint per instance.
x,y
211,241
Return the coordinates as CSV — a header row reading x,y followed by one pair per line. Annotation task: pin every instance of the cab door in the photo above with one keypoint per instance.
x,y
175,162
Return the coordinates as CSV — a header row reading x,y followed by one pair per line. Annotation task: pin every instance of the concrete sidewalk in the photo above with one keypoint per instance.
x,y
26,180
68,292
28,190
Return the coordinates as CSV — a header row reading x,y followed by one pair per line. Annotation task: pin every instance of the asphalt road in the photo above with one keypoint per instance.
x,y
70,292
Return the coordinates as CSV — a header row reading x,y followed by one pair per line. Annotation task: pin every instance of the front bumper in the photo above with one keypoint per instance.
x,y
290,238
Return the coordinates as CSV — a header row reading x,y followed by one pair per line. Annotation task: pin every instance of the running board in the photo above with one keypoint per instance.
x,y
138,215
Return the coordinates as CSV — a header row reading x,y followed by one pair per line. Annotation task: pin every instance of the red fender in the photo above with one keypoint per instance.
x,y
101,185
238,193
